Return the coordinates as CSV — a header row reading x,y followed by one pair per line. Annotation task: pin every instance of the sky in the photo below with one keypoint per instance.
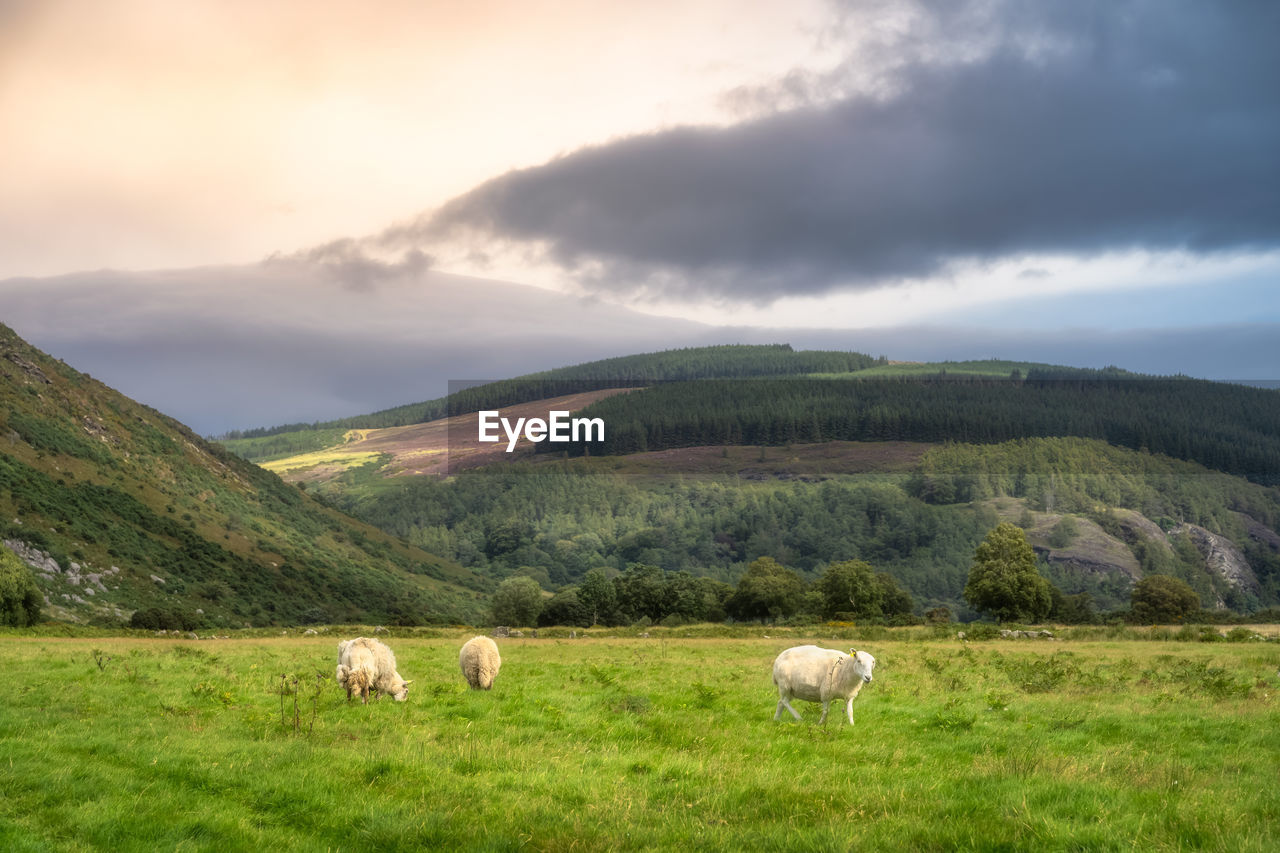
x,y
1095,179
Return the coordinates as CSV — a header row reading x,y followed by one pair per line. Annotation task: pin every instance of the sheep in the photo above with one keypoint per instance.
x,y
365,664
480,662
819,675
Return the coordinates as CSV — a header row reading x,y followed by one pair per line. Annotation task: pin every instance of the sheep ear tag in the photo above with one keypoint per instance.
x,y
407,683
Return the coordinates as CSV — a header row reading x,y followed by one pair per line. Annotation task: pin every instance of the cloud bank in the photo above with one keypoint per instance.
x,y
973,132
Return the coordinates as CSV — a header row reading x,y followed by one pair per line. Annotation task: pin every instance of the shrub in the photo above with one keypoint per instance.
x,y
160,619
20,599
1240,634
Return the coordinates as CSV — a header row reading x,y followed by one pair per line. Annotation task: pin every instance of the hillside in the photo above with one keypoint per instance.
x,y
119,508
1113,475
1226,427
1099,517
438,447
679,365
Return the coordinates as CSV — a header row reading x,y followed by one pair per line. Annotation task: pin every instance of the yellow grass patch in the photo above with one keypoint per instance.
x,y
330,456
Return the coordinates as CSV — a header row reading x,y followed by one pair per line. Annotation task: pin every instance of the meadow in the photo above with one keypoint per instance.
x,y
639,743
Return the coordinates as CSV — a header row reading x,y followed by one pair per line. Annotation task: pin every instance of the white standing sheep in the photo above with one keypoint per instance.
x,y
480,662
364,665
816,674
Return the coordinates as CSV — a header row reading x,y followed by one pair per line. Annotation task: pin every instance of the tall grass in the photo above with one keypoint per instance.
x,y
638,744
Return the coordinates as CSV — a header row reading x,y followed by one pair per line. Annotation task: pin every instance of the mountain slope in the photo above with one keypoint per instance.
x,y
727,361
121,508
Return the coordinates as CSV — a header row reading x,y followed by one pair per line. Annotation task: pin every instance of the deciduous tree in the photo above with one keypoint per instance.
x,y
1003,580
517,601
1160,598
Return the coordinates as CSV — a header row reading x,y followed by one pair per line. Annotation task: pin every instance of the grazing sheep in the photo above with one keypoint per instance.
x,y
365,664
819,675
480,662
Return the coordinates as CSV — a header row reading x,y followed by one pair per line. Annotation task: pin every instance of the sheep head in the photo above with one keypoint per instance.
x,y
863,664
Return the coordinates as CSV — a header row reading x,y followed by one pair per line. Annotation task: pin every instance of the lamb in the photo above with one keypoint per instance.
x,y
365,664
480,662
816,674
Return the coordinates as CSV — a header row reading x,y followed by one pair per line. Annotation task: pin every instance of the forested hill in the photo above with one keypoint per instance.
x,y
713,362
1230,428
121,510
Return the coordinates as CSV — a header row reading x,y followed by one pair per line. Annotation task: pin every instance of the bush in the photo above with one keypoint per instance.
x,y
20,599
160,619
981,631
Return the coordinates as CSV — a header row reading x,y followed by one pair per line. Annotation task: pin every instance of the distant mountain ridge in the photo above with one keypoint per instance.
x,y
675,365
120,509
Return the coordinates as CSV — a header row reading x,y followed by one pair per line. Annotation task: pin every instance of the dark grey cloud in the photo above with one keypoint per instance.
x,y
354,263
1001,129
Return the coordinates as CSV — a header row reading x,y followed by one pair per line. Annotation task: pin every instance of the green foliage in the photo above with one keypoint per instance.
x,y
767,590
286,443
1063,533
1160,598
19,598
564,608
598,597
163,619
1039,674
590,518
849,591
1003,580
1076,609
852,590
517,601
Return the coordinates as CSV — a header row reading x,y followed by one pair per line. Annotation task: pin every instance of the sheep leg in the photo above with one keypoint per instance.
x,y
783,703
848,707
825,707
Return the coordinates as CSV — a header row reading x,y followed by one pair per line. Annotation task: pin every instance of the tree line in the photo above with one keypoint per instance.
x,y
1227,427
1003,584
646,594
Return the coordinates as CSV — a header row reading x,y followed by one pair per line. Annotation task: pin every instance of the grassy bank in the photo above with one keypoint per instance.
x,y
638,743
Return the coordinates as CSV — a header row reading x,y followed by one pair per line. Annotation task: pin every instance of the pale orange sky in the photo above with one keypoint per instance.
x,y
149,133
155,134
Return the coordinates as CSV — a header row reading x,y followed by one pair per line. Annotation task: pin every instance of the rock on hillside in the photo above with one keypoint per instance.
x,y
1091,552
1135,525
1260,533
1223,558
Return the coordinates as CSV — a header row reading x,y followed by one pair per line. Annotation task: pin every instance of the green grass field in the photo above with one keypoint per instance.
x,y
638,744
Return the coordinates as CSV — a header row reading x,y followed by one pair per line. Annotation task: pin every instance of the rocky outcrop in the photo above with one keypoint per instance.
x,y
1222,558
1137,526
1259,532
27,366
1091,552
